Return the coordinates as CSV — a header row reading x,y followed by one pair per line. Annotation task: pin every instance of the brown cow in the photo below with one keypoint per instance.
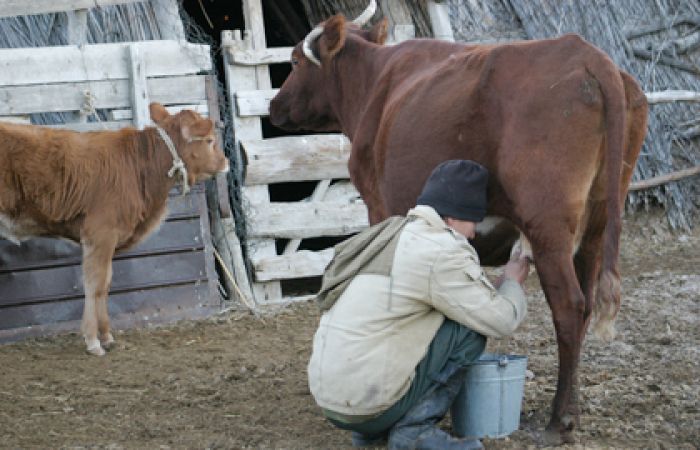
x,y
106,190
557,124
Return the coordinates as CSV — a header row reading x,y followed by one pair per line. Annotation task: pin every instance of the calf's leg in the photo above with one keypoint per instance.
x,y
97,276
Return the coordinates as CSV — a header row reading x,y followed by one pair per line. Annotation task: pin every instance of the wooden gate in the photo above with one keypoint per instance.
x,y
275,229
169,276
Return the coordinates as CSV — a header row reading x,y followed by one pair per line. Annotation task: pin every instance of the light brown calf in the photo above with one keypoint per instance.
x,y
105,190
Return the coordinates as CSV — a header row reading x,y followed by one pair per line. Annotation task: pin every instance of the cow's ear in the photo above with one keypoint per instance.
x,y
158,112
378,32
333,37
199,128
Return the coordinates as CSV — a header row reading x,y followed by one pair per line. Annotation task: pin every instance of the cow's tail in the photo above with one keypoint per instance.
x,y
607,301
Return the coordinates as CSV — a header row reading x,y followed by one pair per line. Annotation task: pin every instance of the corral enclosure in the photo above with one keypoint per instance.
x,y
104,85
290,196
238,381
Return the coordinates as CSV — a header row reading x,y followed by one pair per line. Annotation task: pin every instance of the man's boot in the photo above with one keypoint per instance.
x,y
418,430
369,440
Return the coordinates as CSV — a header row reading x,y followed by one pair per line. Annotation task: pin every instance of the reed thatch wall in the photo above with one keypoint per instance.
x,y
319,10
672,142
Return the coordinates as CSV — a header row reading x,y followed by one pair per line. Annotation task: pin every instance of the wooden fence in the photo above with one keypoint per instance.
x,y
275,229
169,276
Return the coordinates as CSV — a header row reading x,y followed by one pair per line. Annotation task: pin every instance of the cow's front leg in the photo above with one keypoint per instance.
x,y
566,300
97,276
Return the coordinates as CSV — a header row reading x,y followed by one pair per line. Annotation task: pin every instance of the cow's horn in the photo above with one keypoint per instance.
x,y
318,30
306,46
366,14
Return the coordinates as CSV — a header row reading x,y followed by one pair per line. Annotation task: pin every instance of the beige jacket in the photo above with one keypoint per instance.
x,y
369,343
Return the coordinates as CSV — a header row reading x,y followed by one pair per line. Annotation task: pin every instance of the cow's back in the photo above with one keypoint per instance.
x,y
484,99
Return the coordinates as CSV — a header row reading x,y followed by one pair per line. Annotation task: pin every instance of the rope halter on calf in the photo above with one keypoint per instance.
x,y
178,165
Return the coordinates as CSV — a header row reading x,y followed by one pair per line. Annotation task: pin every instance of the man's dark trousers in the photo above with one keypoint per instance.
x,y
453,347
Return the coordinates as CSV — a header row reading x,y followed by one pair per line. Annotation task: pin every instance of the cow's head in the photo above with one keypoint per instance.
x,y
195,142
305,99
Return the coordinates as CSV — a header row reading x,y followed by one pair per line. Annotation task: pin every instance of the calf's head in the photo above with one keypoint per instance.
x,y
194,140
307,98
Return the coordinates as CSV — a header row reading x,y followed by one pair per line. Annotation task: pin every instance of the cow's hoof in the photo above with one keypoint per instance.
x,y
94,348
107,341
555,436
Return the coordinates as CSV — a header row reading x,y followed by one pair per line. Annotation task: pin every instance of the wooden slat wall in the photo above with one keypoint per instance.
x,y
333,209
169,276
296,158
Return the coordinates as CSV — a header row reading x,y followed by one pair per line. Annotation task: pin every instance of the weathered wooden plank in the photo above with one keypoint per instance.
x,y
92,126
172,237
77,26
139,90
274,55
400,20
10,8
254,103
96,62
317,195
141,307
63,282
16,119
77,35
301,264
127,114
15,100
440,21
296,158
672,96
180,207
342,192
255,27
306,219
240,78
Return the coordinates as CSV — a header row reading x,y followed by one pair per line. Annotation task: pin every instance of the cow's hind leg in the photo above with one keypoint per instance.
x,y
587,265
567,302
97,276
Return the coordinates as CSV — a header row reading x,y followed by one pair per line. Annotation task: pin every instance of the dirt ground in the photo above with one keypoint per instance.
x,y
237,381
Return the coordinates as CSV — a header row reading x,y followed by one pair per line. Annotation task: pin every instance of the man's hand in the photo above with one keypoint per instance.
x,y
517,269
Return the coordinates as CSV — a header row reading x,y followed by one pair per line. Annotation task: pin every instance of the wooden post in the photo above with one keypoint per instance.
x,y
77,27
224,236
255,27
139,95
400,23
243,78
77,35
440,21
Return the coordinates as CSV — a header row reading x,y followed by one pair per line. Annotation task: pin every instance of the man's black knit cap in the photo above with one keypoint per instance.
x,y
457,189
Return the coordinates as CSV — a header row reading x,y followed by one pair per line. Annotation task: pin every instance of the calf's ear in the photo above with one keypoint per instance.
x,y
158,112
199,128
378,32
333,37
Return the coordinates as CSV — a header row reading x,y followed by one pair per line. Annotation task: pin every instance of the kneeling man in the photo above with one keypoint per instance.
x,y
406,306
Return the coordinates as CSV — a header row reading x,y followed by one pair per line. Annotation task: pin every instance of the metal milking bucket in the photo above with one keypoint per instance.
x,y
489,402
